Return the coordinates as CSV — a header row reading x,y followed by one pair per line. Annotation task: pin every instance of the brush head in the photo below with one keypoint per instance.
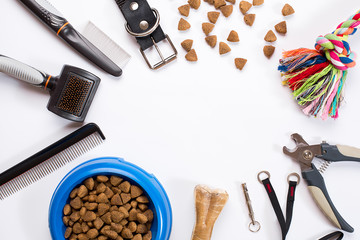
x,y
72,93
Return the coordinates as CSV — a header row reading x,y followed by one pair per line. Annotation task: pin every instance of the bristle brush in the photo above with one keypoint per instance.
x,y
50,159
71,93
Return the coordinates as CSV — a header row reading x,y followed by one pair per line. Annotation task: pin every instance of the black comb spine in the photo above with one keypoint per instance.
x,y
49,152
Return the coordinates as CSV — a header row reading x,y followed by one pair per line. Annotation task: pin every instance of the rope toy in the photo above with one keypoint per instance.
x,y
317,77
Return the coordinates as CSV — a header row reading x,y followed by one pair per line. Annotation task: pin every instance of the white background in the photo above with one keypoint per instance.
x,y
188,123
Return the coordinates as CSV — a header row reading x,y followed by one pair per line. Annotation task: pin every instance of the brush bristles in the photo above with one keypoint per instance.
x,y
50,165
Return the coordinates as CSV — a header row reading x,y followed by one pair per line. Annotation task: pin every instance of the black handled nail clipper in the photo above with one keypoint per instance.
x,y
54,19
304,154
71,93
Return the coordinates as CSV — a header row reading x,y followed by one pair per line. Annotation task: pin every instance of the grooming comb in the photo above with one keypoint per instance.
x,y
55,21
50,159
103,42
71,93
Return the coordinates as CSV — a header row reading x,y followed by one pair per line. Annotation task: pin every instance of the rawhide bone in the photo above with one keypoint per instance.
x,y
208,205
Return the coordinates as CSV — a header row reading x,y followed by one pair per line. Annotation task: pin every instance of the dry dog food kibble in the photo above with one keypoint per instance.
x,y
187,45
207,28
231,1
258,2
281,27
245,6
194,3
184,10
240,63
219,3
105,208
183,25
213,16
233,36
270,36
211,40
268,50
191,57
224,48
249,19
287,10
227,10
211,2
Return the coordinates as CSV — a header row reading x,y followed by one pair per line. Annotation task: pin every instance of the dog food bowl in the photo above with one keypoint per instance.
x,y
159,201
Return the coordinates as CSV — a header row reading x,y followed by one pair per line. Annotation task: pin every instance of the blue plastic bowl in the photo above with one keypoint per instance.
x,y
159,201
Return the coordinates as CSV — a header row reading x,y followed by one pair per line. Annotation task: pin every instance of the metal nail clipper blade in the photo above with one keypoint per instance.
x,y
304,155
143,23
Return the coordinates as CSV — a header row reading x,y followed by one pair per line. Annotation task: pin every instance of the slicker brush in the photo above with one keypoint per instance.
x,y
71,93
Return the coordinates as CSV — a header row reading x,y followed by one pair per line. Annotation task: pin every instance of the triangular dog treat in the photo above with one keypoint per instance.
x,y
244,6
249,19
187,44
183,25
233,37
240,63
213,16
287,10
227,10
184,10
211,40
207,28
224,48
270,36
281,27
191,56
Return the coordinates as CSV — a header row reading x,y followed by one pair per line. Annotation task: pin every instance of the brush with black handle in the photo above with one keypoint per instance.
x,y
54,19
71,93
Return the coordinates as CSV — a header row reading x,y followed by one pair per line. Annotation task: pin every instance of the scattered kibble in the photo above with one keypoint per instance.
x,y
187,45
281,27
245,6
231,1
191,56
258,2
211,40
108,215
287,10
249,19
224,48
211,2
213,16
184,10
207,28
240,63
270,36
183,25
268,50
233,36
227,10
219,3
194,3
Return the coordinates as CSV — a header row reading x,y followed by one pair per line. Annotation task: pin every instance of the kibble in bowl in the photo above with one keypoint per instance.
x,y
137,206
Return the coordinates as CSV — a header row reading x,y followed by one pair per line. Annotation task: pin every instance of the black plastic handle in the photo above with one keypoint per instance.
x,y
46,13
52,18
337,153
319,192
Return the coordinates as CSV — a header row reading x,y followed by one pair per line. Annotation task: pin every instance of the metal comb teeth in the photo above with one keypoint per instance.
x,y
60,153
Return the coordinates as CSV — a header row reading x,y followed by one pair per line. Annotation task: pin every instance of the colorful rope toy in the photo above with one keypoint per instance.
x,y
317,77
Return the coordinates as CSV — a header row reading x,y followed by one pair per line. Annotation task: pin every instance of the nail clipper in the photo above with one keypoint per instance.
x,y
304,154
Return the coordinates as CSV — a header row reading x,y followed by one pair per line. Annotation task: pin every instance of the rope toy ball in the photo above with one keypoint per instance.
x,y
317,76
